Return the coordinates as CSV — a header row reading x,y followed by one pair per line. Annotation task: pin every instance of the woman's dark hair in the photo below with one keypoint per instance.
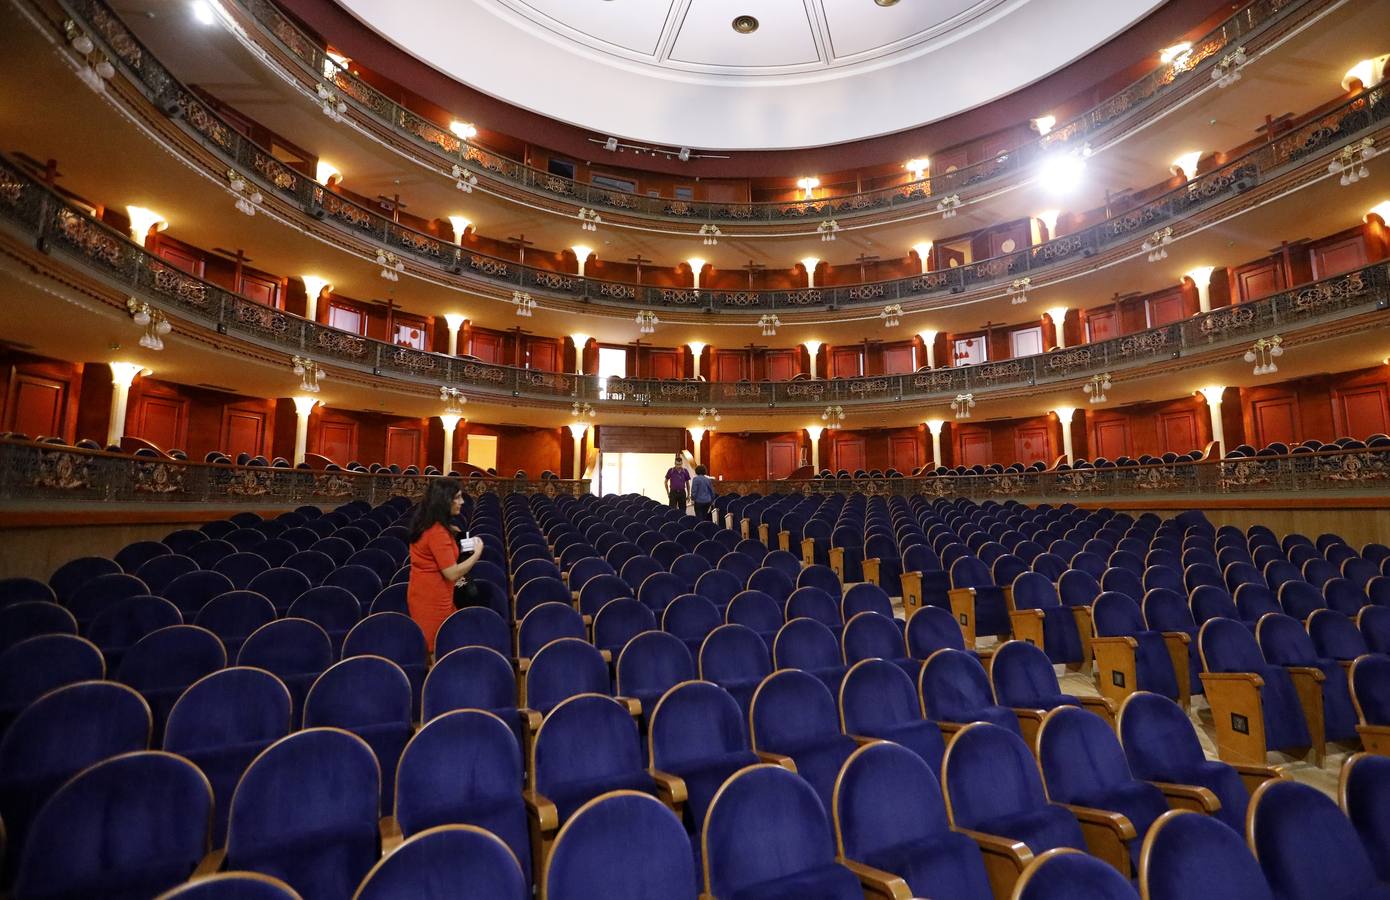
x,y
701,470
436,507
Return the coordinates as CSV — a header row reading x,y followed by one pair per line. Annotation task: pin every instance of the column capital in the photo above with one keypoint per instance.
x,y
123,373
934,425
304,405
815,431
1064,414
1212,393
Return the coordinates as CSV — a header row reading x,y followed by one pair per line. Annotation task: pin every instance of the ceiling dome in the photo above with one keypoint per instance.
x,y
748,74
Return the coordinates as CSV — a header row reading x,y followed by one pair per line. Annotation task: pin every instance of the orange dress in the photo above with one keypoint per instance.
x,y
430,596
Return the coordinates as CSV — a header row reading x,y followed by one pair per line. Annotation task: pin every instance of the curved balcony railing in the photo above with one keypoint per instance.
x,y
1152,221
1136,100
62,229
48,473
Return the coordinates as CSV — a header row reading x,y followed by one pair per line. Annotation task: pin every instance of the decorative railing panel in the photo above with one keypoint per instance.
x,y
446,259
52,473
63,229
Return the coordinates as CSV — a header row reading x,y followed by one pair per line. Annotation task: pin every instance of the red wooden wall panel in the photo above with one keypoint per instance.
x,y
243,431
974,446
730,365
1337,256
1361,411
846,362
904,453
1178,431
403,446
1032,443
1256,280
487,346
160,419
36,406
338,441
1110,439
665,364
782,365
849,453
783,457
1275,419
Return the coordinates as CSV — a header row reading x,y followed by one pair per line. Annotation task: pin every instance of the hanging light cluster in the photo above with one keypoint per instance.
x,y
309,374
947,206
711,234
1097,387
454,400
154,323
391,265
524,303
962,405
1263,353
768,323
589,219
1157,244
1227,71
463,179
827,229
1350,161
891,315
582,410
833,414
647,321
1018,291
708,413
245,202
332,105
99,69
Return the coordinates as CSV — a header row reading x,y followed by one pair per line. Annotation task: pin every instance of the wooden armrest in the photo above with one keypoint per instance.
x,y
634,706
1027,614
532,719
1106,835
1005,859
671,788
210,864
963,608
872,570
541,812
836,557
878,882
948,729
784,540
1177,644
1307,672
1307,682
1234,677
390,831
1189,796
777,759
1375,738
1101,706
1237,714
1029,722
862,739
1178,635
523,665
606,654
808,551
1116,641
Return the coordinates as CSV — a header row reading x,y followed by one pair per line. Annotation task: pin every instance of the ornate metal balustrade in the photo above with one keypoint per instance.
x,y
1337,473
1185,73
1332,130
48,473
64,230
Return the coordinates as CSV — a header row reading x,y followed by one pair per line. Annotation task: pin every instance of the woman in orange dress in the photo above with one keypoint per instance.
x,y
434,563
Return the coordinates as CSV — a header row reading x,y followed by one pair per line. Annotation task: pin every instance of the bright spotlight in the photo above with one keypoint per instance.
x,y
1062,173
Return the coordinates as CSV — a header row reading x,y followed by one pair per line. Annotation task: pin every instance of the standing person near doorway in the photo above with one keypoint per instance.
x,y
702,492
677,478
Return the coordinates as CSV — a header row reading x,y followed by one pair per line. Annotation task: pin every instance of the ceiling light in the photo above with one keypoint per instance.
x,y
1178,50
1062,172
203,12
463,130
745,24
1043,124
1370,72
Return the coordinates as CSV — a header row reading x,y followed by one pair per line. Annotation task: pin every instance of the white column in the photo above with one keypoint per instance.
x,y
1201,276
814,432
1058,314
696,348
934,426
1218,430
579,341
923,251
929,341
450,421
1064,414
581,257
696,435
455,322
302,407
313,289
577,430
812,348
122,376
696,264
810,264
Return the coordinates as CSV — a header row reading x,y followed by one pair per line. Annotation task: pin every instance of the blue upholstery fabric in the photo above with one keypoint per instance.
x,y
992,783
587,746
189,592
814,602
930,629
1308,849
758,611
889,814
1228,646
161,570
877,699
470,627
1161,744
1374,624
1284,643
396,637
1166,610
306,812
1023,678
866,597
794,714
1254,600
240,568
1075,876
548,622
232,886
369,696
620,621
332,608
735,658
1366,797
659,589
465,767
699,733
1212,602
473,678
74,573
221,723
767,838
31,618
1078,588
1336,636
281,586
621,847
130,827
1194,857
563,669
1084,765
772,582
717,586
39,664
596,592
233,616
165,662
1299,598
955,688
454,861
56,737
651,664
991,612
1118,615
1370,680
691,618
871,635
294,650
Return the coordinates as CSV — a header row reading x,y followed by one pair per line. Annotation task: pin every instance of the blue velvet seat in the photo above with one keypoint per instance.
x,y
131,827
773,582
789,564
889,814
1299,598
1167,611
741,565
992,785
620,621
332,608
1374,624
241,568
1066,874
99,592
474,678
691,618
190,592
1083,764
757,611
867,597
1163,576
597,591
165,662
735,658
1117,615
659,589
221,723
306,812
793,713
767,837
370,697
1122,581
233,616
637,570
473,626
878,699
991,611
294,650
1308,848
1161,745
73,574
314,565
810,646
158,572
281,586
718,587
823,577
1364,794
698,733
587,746
562,669
31,618
232,886
1342,595
395,637
1370,686
872,635
451,861
360,581
931,628
57,736
587,567
1229,647
1254,600
1023,678
955,689
465,767
688,567
816,603
1336,636
623,845
548,622
1284,642
134,555
1188,856
651,664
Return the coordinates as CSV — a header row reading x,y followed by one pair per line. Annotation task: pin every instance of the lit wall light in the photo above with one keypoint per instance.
x,y
1043,124
202,11
1049,218
923,251
463,130
581,256
1381,209
324,172
1177,51
917,167
314,286
1370,72
143,221
1186,165
461,226
808,185
1061,173
696,264
810,264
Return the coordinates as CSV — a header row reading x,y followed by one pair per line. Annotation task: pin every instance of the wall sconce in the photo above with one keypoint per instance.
x,y
245,202
1097,387
464,131
1174,53
1186,165
99,69
582,410
460,226
1350,161
524,303
827,230
833,414
962,405
326,174
154,323
589,219
1018,291
696,264
581,257
808,185
768,323
463,179
1042,124
309,374
1157,244
1263,353
143,221
917,167
809,264
454,400
923,251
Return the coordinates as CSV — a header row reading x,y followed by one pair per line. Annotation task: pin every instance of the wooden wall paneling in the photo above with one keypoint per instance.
x,y
260,288
1338,255
543,355
904,452
846,362
1110,438
338,441
1361,411
1166,308
403,446
848,452
783,365
161,419
1102,324
243,430
1178,431
974,446
487,346
664,364
1256,280
1032,443
898,359
1275,419
182,256
635,439
35,405
783,457
730,365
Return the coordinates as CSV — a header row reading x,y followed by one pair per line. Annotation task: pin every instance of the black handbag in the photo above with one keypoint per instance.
x,y
468,594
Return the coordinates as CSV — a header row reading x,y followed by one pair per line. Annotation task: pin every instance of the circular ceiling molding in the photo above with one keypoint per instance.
x,y
807,73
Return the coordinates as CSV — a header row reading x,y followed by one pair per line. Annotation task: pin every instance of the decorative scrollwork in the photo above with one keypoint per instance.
x,y
261,318
89,238
488,266
866,291
813,389
64,472
413,360
618,291
159,478
1144,343
186,289
1075,358
740,298
553,280
340,343
1231,318
808,297
866,388
678,297
475,372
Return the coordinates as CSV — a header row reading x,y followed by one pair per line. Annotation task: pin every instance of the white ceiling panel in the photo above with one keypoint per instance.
x,y
786,35
856,27
634,25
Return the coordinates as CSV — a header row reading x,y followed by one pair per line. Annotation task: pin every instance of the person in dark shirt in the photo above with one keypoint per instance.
x,y
702,492
677,477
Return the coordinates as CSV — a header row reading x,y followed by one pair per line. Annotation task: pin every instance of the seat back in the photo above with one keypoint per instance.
x,y
988,774
1187,856
1283,641
469,678
1167,610
1117,614
876,695
227,708
887,796
756,610
690,617
814,603
1034,591
618,825
695,721
1306,845
585,738
1336,636
806,644
772,582
869,635
1023,676
473,862
930,629
734,653
792,708
954,686
1057,874
1228,646
547,622
652,663
1158,738
1080,755
1370,689
562,669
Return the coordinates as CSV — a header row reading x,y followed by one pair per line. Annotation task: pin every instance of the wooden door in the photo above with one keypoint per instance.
x,y
1102,325
260,288
665,364
1026,342
1111,438
974,447
848,453
1360,412
243,431
1166,308
180,256
948,257
1178,431
486,346
338,441
36,406
730,365
846,362
542,354
899,359
782,458
402,446
1275,419
162,420
1257,280
1338,256
783,365
1033,443
904,452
